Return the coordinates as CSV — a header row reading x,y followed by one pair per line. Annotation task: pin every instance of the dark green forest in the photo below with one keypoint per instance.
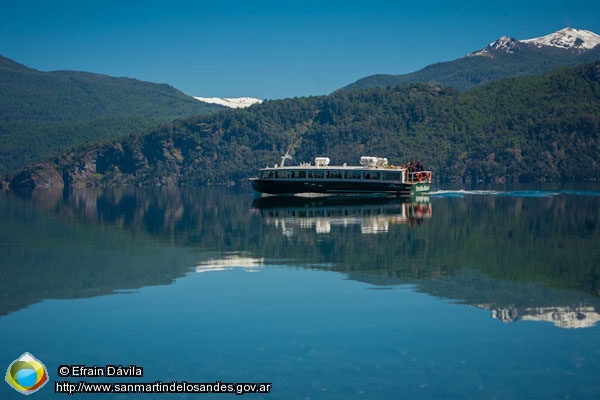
x,y
542,128
44,113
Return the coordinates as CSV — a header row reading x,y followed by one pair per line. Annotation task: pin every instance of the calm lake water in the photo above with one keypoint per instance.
x,y
480,294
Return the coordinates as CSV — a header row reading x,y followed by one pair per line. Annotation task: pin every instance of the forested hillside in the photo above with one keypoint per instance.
x,y
538,128
44,113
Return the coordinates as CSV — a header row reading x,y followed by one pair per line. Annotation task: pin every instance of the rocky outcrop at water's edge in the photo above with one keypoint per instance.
x,y
43,176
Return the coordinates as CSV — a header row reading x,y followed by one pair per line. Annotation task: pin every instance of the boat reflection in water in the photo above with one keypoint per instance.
x,y
231,261
373,214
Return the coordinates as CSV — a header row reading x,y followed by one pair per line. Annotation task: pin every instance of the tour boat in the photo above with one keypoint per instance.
x,y
373,176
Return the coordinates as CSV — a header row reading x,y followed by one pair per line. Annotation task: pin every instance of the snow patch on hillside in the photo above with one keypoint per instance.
x,y
239,102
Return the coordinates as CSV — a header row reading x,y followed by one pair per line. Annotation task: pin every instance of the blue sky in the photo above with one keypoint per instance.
x,y
267,49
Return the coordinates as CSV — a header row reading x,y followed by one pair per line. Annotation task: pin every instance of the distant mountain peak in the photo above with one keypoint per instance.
x,y
567,39
505,44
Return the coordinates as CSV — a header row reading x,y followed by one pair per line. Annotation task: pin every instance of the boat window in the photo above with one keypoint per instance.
x,y
316,174
373,175
266,174
282,174
352,175
298,174
334,174
392,176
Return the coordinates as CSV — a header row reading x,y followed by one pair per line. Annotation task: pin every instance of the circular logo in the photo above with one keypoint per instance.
x,y
26,374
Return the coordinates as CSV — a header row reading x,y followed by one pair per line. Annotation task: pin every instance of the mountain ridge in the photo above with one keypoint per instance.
x,y
504,58
565,39
42,113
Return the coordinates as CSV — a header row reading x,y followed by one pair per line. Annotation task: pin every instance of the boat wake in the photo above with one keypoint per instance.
x,y
516,193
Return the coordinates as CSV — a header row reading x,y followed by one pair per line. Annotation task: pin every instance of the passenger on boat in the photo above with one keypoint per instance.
x,y
411,168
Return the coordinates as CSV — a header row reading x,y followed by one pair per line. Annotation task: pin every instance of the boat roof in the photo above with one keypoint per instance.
x,y
322,163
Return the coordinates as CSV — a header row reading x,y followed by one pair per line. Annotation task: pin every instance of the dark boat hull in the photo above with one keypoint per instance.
x,y
294,186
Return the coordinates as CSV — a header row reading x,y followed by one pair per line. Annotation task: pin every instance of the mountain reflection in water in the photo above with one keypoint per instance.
x,y
522,257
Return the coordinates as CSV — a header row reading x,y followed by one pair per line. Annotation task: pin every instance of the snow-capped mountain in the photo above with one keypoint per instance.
x,y
505,43
239,102
504,58
567,39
